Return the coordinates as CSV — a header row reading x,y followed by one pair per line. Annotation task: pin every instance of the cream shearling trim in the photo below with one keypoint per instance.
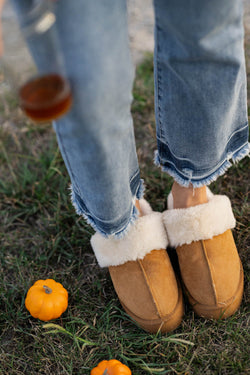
x,y
145,207
201,222
147,234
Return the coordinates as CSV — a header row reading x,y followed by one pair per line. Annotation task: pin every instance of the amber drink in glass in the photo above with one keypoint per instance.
x,y
43,90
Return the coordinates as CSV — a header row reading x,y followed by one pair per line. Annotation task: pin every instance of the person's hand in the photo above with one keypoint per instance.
x,y
1,37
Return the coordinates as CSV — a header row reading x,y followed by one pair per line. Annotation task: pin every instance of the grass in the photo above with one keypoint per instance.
x,y
42,237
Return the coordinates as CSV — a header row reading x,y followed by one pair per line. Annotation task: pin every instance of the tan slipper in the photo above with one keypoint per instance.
x,y
210,266
142,273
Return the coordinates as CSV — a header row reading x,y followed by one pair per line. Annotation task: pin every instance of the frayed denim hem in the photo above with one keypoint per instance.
x,y
124,230
240,154
134,214
79,210
185,181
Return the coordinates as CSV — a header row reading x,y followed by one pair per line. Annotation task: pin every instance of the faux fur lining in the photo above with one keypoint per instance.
x,y
201,222
145,207
147,234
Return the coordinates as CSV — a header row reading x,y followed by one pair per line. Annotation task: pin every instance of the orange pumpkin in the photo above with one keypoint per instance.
x,y
112,367
46,300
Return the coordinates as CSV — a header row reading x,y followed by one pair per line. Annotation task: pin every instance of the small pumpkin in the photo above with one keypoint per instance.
x,y
112,367
46,299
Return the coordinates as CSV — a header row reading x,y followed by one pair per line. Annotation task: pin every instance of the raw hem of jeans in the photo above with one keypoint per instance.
x,y
186,181
135,213
122,232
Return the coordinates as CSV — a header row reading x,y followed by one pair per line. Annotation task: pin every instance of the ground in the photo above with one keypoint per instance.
x,y
42,237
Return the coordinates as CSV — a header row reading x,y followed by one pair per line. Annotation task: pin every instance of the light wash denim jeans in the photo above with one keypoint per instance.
x,y
200,100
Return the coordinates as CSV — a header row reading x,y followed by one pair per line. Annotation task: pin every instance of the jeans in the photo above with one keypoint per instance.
x,y
200,100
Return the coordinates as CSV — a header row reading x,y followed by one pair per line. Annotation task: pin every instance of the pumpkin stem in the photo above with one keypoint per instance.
x,y
105,372
47,289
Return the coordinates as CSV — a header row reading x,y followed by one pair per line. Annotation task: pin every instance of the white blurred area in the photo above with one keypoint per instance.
x,y
141,28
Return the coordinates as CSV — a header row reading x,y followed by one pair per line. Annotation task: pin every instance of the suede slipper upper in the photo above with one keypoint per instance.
x,y
142,273
209,263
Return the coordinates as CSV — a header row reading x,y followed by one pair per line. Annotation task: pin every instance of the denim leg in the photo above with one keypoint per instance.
x,y
96,137
200,88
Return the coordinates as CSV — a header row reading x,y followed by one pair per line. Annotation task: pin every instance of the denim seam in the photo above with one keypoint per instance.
x,y
166,143
90,217
139,191
81,211
68,163
237,131
93,216
238,154
133,215
159,82
134,176
186,159
218,166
